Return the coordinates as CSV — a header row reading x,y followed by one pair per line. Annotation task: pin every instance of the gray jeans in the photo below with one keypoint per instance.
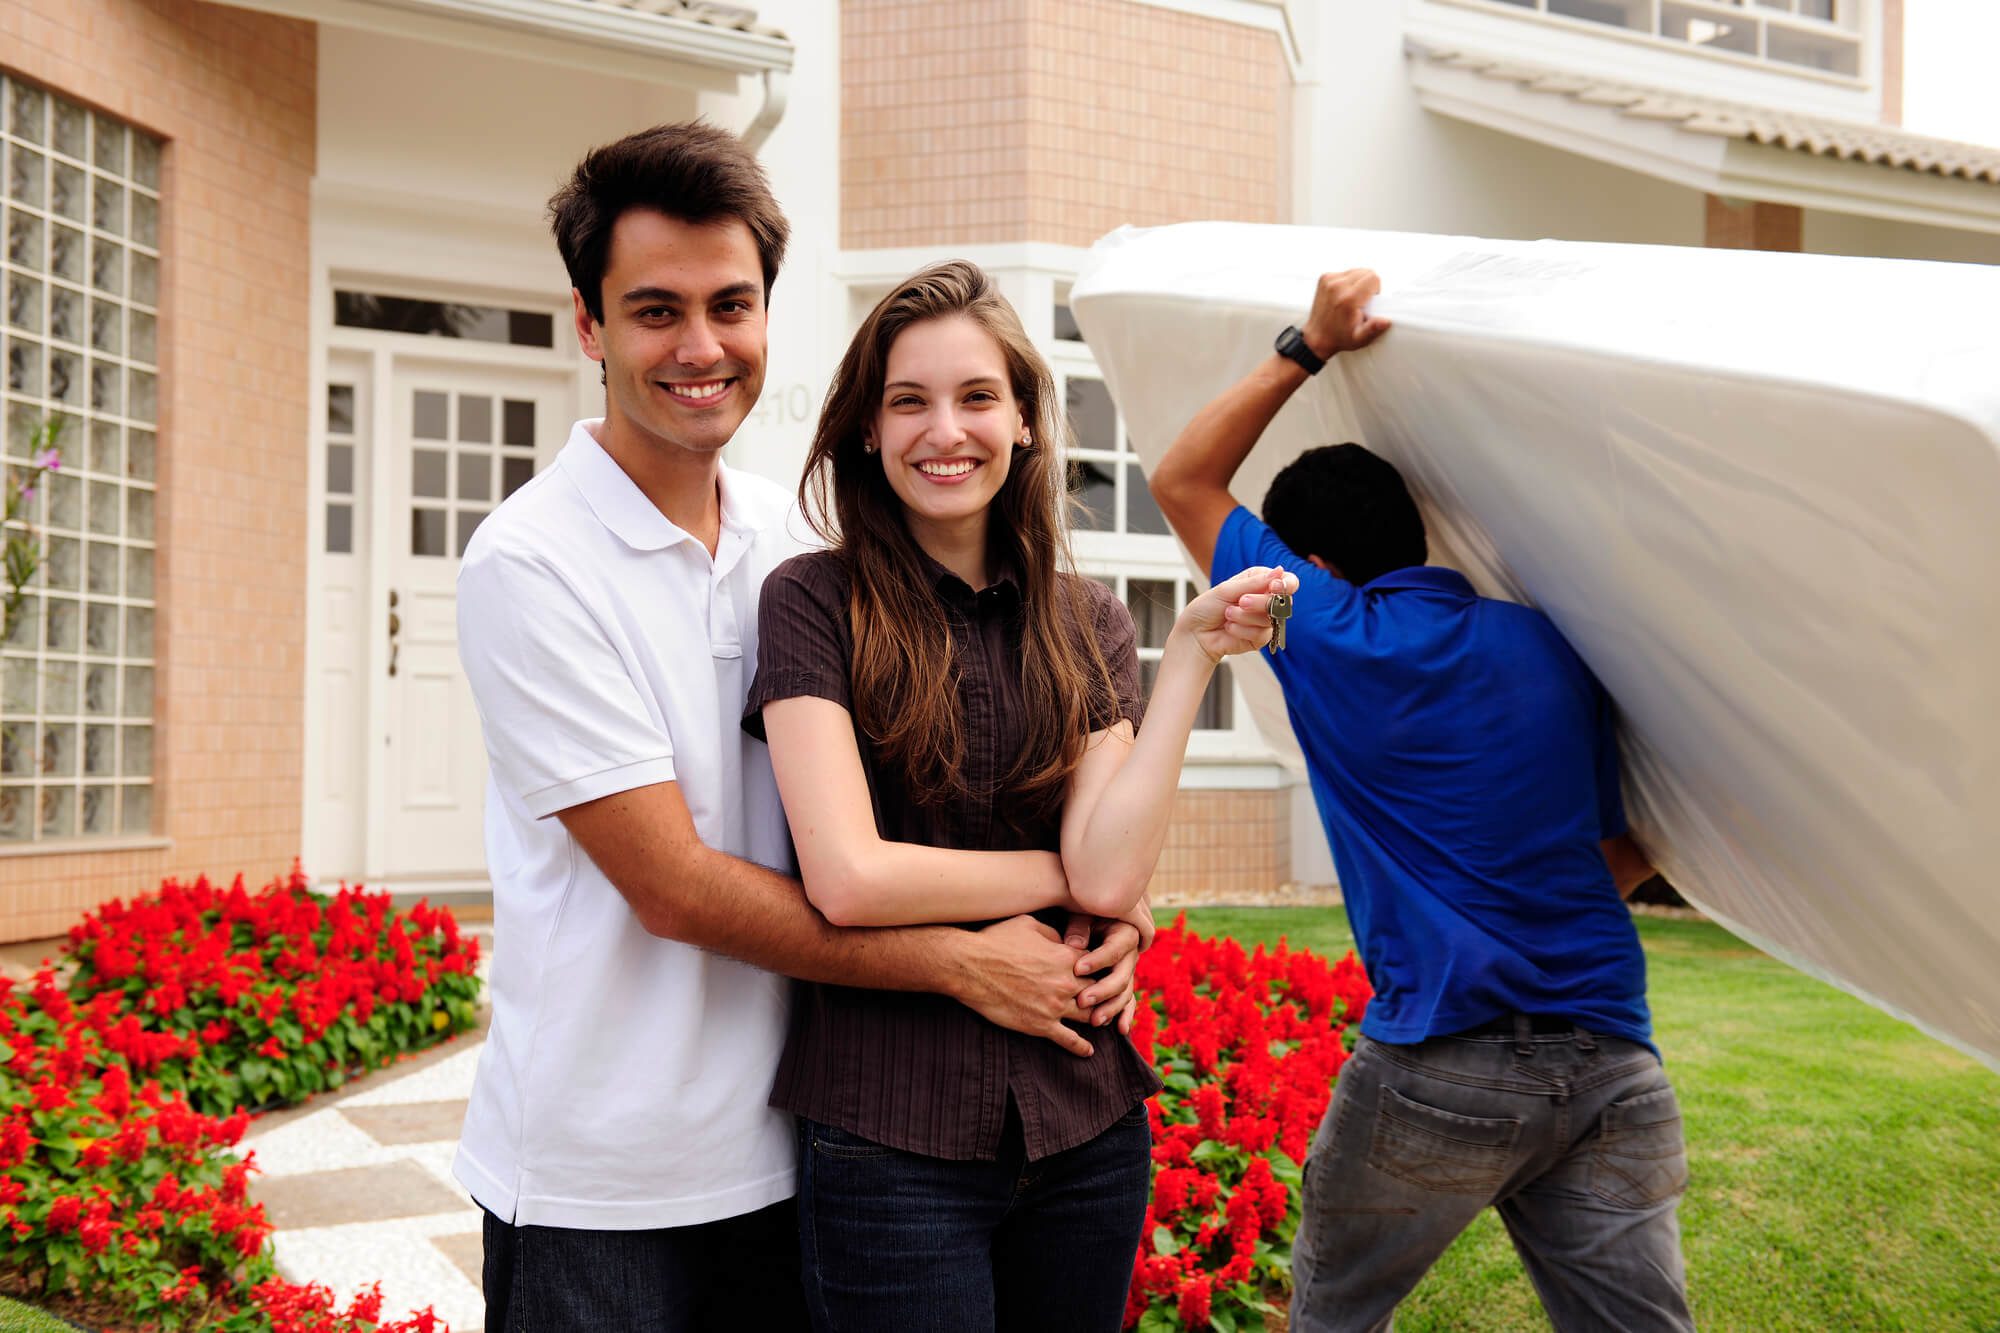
x,y
1575,1138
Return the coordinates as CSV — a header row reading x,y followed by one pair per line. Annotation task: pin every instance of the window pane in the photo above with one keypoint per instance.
x,y
339,529
138,692
100,690
514,474
475,419
28,116
59,750
1217,710
138,814
1151,602
66,249
100,808
22,687
139,570
475,475
1066,329
138,632
1703,28
59,681
27,172
106,455
103,576
100,750
69,129
427,532
58,812
100,632
340,469
468,522
1141,514
340,409
15,803
1091,484
25,240
427,416
1091,416
62,563
1618,13
427,473
136,759
517,424
66,196
60,626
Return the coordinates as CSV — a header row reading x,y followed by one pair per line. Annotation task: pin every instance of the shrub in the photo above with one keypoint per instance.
x,y
1248,1046
119,1104
239,999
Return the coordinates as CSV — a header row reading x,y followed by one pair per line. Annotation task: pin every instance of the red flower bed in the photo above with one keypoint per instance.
x,y
252,999
1248,1046
122,1093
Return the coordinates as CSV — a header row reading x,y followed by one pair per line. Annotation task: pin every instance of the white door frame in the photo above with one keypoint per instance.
x,y
378,497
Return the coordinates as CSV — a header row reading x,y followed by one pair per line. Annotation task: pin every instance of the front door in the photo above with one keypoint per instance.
x,y
463,440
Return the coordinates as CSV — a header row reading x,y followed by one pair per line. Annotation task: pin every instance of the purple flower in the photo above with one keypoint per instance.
x,y
49,459
27,492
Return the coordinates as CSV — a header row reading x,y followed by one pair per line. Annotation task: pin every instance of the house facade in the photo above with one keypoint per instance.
x,y
282,266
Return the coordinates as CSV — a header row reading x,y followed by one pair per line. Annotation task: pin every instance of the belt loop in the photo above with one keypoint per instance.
x,y
1524,1032
1584,1041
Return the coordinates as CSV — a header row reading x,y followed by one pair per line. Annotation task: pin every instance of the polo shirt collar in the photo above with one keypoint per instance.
x,y
1424,578
621,506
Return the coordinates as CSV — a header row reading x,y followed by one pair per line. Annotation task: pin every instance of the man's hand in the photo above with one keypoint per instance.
x,y
1020,974
1339,320
1117,957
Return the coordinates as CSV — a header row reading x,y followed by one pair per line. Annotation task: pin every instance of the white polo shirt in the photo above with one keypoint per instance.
x,y
624,1081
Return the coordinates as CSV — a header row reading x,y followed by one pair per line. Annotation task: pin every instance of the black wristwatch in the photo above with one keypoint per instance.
x,y
1291,343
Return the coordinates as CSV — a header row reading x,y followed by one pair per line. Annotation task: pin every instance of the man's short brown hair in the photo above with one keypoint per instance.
x,y
691,171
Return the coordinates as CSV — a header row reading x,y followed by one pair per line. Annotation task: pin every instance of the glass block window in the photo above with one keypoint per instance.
x,y
1104,473
468,452
1154,604
80,265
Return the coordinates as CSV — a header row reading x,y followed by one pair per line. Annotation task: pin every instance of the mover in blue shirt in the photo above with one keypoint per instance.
x,y
1464,765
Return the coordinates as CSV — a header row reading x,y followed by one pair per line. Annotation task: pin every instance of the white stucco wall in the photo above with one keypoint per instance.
x,y
1370,156
1844,234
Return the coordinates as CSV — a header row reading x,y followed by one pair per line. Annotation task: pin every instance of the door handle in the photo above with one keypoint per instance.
x,y
395,628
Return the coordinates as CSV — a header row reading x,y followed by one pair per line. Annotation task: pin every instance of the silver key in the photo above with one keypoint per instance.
x,y
1280,609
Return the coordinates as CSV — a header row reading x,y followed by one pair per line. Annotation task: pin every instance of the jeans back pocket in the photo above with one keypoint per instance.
x,y
1441,1150
1641,1158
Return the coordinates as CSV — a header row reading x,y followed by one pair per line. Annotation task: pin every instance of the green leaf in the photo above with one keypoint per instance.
x,y
1285,1171
256,1073
1208,1150
1156,1320
1223,1320
1164,1242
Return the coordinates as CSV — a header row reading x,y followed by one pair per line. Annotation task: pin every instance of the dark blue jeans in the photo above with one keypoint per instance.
x,y
741,1273
895,1240
1573,1137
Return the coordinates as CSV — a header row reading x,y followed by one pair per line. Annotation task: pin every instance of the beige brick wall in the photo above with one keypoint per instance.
x,y
1053,120
232,93
1224,846
1752,225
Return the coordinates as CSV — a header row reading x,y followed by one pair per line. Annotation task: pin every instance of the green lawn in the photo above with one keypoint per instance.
x,y
18,1318
1845,1168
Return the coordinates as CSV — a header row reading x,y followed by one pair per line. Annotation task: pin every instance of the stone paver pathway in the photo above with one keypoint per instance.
x,y
359,1189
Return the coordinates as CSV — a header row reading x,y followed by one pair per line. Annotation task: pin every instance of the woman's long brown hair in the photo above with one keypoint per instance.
x,y
904,682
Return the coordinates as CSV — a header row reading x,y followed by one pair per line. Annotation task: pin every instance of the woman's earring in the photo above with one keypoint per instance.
x,y
867,446
1027,439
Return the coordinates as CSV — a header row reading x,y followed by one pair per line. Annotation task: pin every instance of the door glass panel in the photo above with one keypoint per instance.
x,y
427,474
475,419
517,424
475,475
514,474
427,532
428,416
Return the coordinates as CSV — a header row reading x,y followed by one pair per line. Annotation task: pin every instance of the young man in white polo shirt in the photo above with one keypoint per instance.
x,y
618,1135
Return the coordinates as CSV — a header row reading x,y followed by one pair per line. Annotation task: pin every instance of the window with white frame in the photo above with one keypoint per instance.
x,y
1821,35
81,269
1154,604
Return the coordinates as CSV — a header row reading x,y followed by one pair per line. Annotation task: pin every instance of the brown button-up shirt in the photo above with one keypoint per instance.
x,y
922,1072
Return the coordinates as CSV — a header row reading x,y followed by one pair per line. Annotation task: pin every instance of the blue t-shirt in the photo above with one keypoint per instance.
x,y
1464,764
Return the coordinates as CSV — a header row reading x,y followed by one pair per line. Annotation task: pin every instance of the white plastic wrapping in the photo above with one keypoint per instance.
x,y
1759,493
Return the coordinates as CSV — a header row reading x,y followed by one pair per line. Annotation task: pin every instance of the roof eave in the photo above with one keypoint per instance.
x,y
1713,163
666,49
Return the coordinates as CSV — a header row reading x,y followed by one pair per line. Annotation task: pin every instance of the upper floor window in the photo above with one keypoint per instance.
x,y
1104,473
1820,35
81,271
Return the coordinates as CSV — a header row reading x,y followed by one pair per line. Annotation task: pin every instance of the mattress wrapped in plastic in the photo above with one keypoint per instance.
x,y
1759,493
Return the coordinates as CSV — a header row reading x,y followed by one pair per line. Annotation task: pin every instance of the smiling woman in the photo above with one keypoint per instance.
x,y
951,714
